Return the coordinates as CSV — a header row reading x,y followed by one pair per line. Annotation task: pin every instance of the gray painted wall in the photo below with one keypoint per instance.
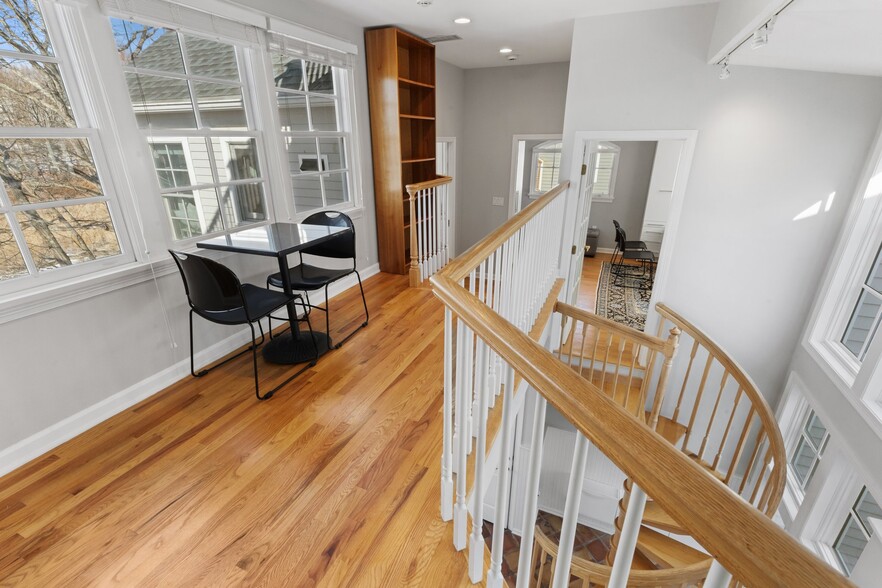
x,y
450,116
631,190
771,143
501,102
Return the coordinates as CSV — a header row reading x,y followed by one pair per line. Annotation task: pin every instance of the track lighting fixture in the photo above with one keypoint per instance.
x,y
725,72
760,37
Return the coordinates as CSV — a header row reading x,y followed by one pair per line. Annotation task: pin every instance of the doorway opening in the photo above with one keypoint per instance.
x,y
535,168
626,213
445,165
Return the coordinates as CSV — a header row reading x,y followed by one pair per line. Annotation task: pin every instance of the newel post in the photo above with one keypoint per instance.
x,y
414,265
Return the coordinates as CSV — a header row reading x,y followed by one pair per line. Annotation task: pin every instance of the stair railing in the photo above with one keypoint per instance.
x,y
429,209
493,294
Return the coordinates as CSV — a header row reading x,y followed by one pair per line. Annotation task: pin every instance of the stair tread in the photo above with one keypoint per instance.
x,y
672,431
666,551
655,516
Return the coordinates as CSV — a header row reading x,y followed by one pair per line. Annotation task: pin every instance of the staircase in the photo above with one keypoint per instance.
x,y
717,419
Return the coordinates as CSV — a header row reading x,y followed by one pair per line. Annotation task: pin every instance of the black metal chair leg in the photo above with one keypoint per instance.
x,y
192,366
328,319
367,316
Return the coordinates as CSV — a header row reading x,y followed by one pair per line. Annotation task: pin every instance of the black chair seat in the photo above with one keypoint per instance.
x,y
635,245
260,303
308,277
639,256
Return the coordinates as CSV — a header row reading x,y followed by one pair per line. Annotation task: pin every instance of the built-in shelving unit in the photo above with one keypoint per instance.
x,y
401,86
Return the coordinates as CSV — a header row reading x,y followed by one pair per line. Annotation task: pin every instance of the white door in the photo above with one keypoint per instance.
x,y
583,211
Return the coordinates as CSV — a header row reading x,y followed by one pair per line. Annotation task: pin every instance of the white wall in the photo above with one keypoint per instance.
x,y
631,191
771,143
501,102
58,363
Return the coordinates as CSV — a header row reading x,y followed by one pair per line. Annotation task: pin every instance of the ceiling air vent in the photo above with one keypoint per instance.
x,y
441,38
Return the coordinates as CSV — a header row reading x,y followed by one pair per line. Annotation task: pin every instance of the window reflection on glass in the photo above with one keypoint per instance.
x,y
183,215
147,47
68,235
324,113
292,112
220,106
171,165
238,158
161,102
307,192
48,170
23,28
332,151
33,95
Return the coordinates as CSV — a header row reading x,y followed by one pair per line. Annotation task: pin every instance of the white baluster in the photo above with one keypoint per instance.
x,y
494,577
447,441
471,366
571,514
717,576
490,294
476,541
531,505
628,538
464,438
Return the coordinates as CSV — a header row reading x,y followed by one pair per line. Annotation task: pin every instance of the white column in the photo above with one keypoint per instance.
x,y
447,440
531,506
571,514
494,577
628,538
463,440
476,541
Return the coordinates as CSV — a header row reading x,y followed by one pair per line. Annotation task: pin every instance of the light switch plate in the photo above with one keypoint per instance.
x,y
499,201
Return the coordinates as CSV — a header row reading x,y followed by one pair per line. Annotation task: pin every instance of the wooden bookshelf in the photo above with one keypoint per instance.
x,y
401,88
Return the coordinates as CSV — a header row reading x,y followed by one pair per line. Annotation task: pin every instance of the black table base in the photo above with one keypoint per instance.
x,y
289,348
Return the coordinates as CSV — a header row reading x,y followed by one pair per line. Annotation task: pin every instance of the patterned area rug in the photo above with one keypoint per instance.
x,y
627,306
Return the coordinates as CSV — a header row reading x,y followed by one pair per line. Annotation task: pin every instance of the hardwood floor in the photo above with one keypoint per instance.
x,y
333,482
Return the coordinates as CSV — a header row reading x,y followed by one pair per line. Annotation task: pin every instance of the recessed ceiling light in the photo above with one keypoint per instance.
x,y
462,20
505,50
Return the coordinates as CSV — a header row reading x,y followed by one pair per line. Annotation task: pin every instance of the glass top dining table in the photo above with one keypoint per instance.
x,y
279,240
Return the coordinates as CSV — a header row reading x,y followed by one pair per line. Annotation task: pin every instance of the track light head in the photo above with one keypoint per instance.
x,y
725,72
760,37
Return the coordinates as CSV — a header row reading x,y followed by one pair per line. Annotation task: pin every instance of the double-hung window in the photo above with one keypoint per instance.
x,y
56,210
545,172
194,109
604,167
809,450
856,531
313,101
866,313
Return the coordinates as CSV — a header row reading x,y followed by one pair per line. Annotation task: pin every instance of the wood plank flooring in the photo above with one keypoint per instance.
x,y
333,482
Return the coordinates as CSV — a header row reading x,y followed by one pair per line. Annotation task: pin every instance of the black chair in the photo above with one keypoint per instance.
x,y
216,294
622,243
306,277
621,270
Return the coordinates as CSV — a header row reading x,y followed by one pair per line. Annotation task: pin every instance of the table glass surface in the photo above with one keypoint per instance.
x,y
273,239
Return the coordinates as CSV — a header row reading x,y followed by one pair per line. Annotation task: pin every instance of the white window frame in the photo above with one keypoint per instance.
x,y
345,100
860,382
818,452
606,147
536,152
81,105
851,513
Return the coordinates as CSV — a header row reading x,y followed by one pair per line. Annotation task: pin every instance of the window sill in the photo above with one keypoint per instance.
x,y
838,366
601,199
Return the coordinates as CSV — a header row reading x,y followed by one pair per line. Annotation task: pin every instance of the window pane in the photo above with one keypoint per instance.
x,y
292,112
161,102
863,322
148,47
288,72
815,430
319,78
32,94
11,262
171,165
874,279
184,216
236,158
68,235
302,155
332,151
207,201
324,113
211,59
23,29
336,188
220,106
249,203
803,461
850,544
47,170
866,507
307,193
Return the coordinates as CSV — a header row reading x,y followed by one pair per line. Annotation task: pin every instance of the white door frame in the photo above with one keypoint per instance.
x,y
451,171
689,138
513,179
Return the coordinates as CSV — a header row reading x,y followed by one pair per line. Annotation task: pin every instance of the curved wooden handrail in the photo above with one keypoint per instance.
x,y
438,181
460,267
739,536
582,315
778,478
598,573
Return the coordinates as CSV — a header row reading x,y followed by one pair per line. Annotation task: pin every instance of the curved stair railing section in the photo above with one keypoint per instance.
x,y
495,295
428,205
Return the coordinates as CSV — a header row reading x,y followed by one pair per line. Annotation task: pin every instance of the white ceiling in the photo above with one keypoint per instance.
x,y
843,36
539,32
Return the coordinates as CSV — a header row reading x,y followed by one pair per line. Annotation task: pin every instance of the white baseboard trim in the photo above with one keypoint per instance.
x,y
609,250
44,441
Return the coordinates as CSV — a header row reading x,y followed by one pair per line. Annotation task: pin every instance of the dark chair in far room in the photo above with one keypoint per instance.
x,y
306,278
622,243
215,293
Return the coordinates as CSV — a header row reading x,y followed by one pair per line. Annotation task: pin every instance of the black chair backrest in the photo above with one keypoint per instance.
x,y
210,286
620,237
617,225
342,247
